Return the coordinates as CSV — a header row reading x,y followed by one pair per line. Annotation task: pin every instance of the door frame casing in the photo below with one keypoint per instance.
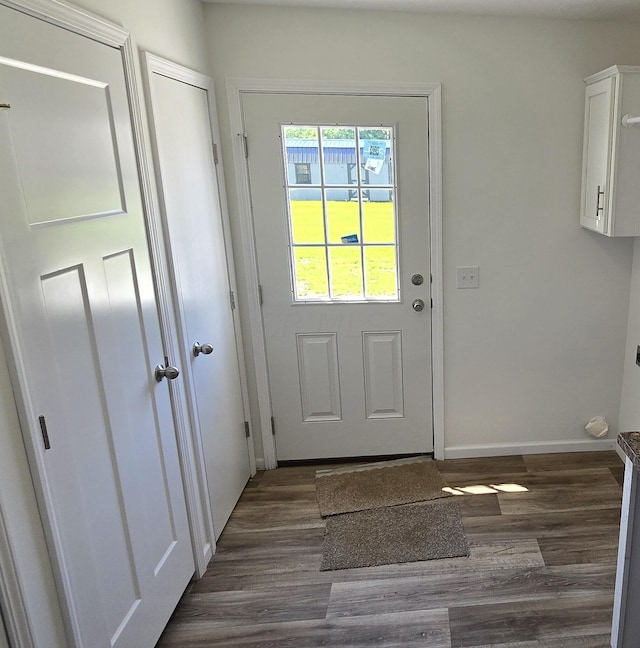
x,y
432,93
84,23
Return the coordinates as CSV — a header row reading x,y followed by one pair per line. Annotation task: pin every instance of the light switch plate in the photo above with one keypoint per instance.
x,y
467,277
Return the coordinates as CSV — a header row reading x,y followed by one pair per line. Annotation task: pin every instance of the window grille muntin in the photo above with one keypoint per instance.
x,y
358,187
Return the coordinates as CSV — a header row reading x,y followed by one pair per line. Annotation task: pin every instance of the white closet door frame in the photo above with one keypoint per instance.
x,y
15,608
432,95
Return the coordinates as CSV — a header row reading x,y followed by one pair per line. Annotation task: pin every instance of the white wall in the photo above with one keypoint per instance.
x,y
173,29
170,28
538,349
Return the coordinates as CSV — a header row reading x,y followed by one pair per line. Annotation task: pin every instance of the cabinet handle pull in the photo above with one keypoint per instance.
x,y
598,207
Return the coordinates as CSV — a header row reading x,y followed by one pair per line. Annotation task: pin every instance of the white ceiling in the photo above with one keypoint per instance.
x,y
579,9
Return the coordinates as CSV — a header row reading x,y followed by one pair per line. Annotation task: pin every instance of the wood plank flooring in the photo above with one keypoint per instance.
x,y
540,575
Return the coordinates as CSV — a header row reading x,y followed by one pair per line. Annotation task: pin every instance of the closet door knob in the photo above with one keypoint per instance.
x,y
170,373
205,349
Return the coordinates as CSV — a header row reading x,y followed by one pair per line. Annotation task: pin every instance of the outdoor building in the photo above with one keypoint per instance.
x,y
340,168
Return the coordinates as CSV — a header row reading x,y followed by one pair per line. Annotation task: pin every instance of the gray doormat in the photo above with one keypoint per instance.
x,y
397,534
376,485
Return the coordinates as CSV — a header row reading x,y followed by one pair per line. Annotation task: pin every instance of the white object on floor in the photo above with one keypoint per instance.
x,y
597,427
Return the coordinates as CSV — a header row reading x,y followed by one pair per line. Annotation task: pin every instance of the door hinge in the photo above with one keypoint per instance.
x,y
245,139
431,302
215,152
273,426
45,434
247,431
260,298
232,298
5,106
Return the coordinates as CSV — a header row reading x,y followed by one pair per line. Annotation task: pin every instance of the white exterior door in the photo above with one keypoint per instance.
x,y
193,218
83,327
339,189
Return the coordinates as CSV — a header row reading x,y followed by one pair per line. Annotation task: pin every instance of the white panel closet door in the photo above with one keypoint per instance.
x,y
182,111
85,337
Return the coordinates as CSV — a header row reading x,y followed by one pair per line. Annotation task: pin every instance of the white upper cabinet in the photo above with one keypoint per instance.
x,y
610,202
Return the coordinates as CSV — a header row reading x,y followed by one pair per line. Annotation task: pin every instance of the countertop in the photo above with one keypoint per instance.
x,y
630,444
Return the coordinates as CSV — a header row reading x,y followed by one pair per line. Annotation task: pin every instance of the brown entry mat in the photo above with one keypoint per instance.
x,y
377,485
396,534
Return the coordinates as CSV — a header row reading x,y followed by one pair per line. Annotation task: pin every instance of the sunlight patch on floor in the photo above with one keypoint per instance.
x,y
481,489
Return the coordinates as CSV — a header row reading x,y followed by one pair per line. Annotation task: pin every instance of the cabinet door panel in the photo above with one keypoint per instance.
x,y
597,155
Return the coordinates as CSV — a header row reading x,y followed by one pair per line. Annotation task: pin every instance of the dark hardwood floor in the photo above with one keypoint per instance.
x,y
541,571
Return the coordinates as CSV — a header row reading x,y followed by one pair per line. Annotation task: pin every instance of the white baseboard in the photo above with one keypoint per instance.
x,y
504,449
542,447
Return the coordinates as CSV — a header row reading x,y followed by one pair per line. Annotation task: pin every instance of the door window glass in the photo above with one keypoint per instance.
x,y
306,216
343,224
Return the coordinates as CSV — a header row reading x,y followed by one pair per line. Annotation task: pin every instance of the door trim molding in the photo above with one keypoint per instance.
x,y
203,545
72,18
236,88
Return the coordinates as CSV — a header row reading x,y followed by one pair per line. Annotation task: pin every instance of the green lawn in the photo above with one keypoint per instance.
x,y
343,219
